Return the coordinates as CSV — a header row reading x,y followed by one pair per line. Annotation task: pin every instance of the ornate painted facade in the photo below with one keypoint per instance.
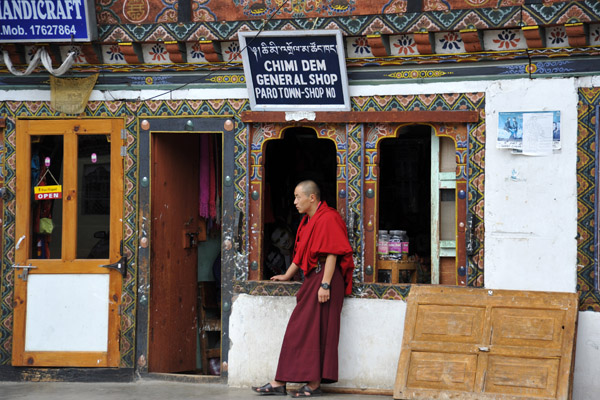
x,y
169,45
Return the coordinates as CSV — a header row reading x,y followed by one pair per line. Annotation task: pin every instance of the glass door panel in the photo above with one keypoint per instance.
x,y
93,208
46,205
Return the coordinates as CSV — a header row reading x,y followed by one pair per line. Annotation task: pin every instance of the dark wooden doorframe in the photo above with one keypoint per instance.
x,y
172,124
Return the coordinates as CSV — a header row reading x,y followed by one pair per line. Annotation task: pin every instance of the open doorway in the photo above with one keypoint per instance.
x,y
405,196
185,258
298,156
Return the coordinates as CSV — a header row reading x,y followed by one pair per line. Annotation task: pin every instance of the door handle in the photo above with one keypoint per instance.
x,y
18,245
23,275
484,349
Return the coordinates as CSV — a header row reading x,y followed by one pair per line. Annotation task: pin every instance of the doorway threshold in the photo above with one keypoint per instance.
x,y
184,378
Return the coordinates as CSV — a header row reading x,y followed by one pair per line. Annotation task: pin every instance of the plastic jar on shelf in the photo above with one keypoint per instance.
x,y
383,250
395,245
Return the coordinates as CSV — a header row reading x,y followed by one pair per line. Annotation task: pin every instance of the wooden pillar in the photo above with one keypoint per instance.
x,y
341,181
461,227
370,220
255,223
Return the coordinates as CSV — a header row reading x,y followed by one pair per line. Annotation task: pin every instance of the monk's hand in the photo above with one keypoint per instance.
x,y
280,278
324,295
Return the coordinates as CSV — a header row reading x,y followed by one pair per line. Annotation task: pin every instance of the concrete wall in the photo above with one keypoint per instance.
x,y
586,385
370,340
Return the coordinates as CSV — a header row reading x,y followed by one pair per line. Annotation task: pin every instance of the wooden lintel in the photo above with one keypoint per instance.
x,y
357,117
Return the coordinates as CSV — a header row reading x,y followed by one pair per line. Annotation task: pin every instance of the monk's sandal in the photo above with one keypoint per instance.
x,y
306,391
268,389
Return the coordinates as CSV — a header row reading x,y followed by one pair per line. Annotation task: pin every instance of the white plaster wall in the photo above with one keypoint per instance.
x,y
370,340
586,381
531,221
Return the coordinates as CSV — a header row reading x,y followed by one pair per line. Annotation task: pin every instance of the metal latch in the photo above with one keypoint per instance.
x,y
25,272
120,266
484,349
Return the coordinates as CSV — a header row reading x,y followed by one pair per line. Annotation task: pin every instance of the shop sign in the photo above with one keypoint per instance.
x,y
47,21
49,192
295,70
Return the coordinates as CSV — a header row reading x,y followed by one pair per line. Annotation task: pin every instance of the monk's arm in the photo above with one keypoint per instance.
x,y
329,268
330,261
289,274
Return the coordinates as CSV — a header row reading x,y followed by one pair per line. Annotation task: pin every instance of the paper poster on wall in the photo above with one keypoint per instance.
x,y
529,133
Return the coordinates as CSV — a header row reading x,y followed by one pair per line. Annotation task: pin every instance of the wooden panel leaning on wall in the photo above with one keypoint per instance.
x,y
474,343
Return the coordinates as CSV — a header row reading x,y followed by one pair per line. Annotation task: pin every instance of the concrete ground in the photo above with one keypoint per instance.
x,y
144,390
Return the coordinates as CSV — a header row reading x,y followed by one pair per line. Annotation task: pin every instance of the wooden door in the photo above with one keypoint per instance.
x,y
66,304
486,344
174,258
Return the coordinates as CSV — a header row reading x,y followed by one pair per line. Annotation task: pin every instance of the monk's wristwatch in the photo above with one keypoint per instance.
x,y
325,285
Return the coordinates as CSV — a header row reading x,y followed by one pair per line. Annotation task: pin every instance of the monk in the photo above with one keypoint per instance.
x,y
309,353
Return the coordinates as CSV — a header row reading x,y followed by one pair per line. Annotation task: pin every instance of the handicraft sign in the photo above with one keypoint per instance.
x,y
47,21
295,71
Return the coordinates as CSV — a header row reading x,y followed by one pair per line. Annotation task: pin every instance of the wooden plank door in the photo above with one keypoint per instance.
x,y
66,305
174,259
486,344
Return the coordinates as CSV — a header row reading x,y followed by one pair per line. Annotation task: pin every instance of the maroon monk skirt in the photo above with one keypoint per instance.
x,y
310,346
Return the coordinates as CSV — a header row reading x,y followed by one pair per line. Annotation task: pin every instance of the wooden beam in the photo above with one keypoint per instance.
x,y
473,40
349,117
378,45
577,34
176,52
534,36
424,42
211,53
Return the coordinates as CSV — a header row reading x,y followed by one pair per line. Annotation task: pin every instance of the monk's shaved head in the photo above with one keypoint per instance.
x,y
310,187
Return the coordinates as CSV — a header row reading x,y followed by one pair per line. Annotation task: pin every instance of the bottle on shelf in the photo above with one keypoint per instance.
x,y
404,244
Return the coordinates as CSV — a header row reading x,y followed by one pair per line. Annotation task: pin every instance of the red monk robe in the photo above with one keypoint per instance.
x,y
310,345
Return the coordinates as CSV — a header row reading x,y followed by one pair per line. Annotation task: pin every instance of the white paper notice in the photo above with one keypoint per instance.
x,y
537,134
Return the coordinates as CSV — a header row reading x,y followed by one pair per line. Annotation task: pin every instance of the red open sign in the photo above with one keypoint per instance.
x,y
50,192
48,196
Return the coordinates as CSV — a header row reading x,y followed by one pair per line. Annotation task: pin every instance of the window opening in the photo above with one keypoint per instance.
x,y
404,206
298,156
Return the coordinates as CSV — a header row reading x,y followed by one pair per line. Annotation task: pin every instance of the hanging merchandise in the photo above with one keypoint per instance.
x,y
209,202
212,185
46,226
204,177
47,192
